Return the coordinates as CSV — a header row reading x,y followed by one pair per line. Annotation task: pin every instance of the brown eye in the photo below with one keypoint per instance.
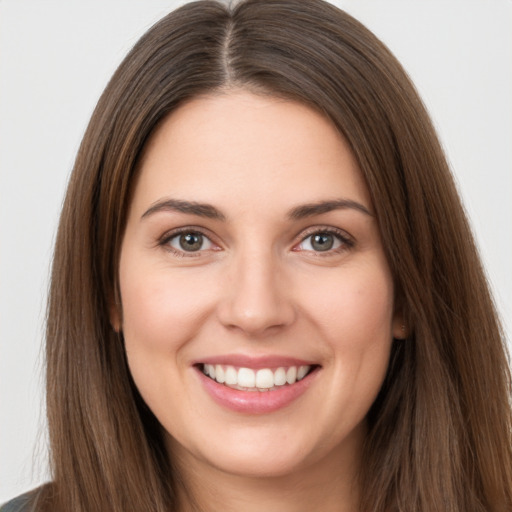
x,y
190,241
324,241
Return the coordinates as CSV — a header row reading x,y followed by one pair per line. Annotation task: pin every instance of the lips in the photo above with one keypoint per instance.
x,y
255,385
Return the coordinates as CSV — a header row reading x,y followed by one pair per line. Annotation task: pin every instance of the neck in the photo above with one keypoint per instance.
x,y
329,484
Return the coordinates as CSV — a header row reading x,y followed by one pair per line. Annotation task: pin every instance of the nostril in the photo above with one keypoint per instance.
x,y
256,319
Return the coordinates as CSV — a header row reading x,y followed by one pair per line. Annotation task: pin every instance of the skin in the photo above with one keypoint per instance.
x,y
256,287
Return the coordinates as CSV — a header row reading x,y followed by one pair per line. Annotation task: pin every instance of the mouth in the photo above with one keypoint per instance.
x,y
261,379
252,386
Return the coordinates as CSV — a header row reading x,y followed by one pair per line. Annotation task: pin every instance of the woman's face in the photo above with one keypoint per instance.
x,y
252,254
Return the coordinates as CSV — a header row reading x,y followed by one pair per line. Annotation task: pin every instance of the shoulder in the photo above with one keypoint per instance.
x,y
19,504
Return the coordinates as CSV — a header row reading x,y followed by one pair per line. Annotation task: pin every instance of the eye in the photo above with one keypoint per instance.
x,y
324,241
189,241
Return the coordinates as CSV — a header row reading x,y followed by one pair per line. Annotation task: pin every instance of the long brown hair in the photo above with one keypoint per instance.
x,y
440,430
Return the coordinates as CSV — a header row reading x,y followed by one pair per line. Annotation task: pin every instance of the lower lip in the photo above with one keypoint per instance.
x,y
256,402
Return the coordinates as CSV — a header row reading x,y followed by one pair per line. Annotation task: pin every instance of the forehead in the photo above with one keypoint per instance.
x,y
253,150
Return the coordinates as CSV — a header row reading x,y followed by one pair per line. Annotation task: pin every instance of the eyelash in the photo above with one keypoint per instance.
x,y
167,237
345,241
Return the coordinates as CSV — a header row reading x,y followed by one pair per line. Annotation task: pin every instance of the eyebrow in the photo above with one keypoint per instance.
x,y
211,212
311,209
191,207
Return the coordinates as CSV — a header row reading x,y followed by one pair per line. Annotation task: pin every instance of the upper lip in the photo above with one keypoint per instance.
x,y
255,362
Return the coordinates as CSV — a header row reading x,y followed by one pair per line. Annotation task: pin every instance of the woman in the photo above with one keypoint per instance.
x,y
260,202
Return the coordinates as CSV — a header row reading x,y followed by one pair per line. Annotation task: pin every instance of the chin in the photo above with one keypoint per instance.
x,y
260,464
249,452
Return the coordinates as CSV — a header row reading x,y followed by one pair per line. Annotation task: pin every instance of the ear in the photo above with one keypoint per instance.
x,y
115,312
399,328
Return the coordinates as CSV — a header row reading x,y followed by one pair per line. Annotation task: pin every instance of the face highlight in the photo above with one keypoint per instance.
x,y
257,303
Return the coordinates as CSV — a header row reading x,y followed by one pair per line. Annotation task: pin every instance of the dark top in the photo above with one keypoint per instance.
x,y
19,504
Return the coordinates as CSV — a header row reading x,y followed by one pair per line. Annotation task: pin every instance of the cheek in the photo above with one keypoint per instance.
x,y
160,306
354,316
353,308
162,313
353,311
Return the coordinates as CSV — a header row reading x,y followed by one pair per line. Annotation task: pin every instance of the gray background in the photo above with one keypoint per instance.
x,y
55,59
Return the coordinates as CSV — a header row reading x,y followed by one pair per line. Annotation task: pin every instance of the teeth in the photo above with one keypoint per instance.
x,y
291,374
264,379
253,380
219,374
231,376
211,371
280,377
301,372
246,378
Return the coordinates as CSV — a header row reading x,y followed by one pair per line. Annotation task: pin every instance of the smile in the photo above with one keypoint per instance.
x,y
256,385
262,379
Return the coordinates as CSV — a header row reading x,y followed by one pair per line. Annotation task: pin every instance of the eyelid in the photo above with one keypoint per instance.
x,y
346,240
163,241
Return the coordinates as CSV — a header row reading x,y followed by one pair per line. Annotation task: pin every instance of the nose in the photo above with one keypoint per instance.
x,y
256,299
